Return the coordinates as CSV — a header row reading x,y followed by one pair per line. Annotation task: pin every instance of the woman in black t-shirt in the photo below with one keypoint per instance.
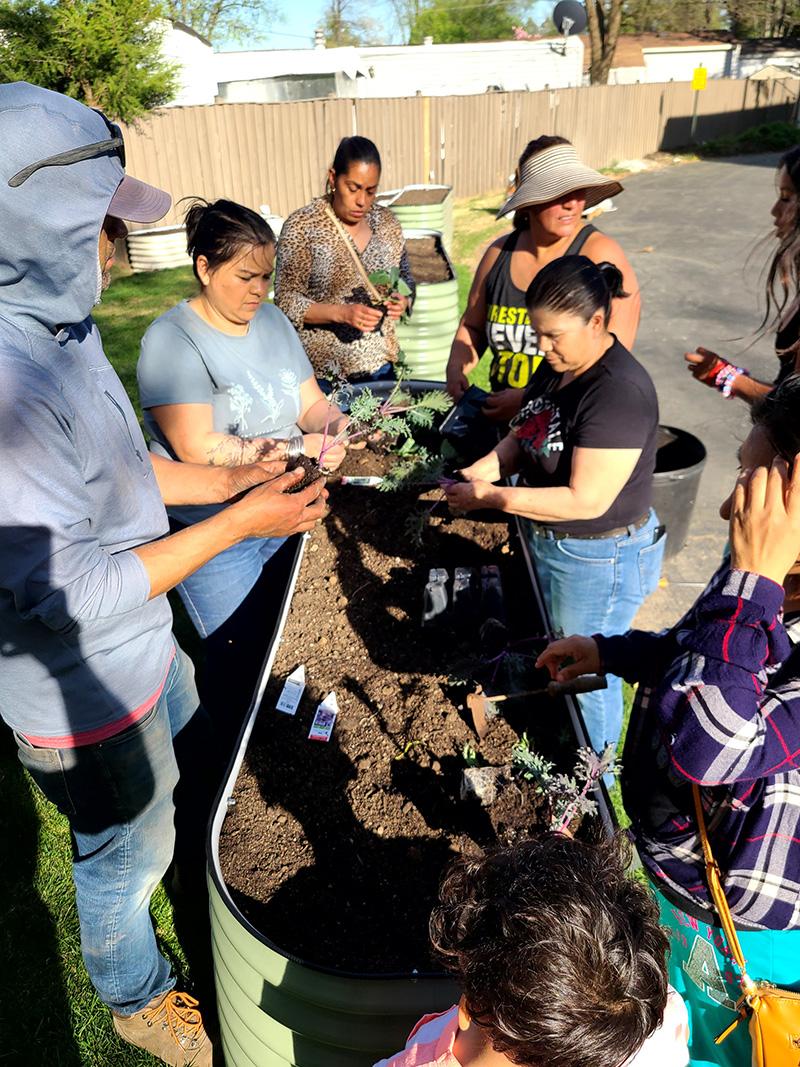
x,y
783,299
584,444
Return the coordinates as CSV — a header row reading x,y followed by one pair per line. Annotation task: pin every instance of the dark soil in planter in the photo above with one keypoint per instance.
x,y
420,197
428,264
335,850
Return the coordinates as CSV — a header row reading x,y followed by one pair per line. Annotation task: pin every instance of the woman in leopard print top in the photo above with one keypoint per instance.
x,y
317,283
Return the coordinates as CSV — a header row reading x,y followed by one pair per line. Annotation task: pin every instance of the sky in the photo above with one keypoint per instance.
x,y
295,27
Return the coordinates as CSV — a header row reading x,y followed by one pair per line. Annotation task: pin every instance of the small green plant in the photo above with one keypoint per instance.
x,y
388,282
470,756
567,795
408,748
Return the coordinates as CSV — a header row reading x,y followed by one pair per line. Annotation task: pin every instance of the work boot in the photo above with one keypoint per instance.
x,y
171,1028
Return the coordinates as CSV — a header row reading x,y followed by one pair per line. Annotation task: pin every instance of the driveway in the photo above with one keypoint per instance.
x,y
692,232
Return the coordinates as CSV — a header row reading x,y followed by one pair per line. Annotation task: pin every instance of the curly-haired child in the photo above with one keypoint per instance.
x,y
561,963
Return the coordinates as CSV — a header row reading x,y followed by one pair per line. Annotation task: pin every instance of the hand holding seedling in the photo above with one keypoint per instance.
x,y
313,443
238,480
582,652
269,511
765,520
468,496
360,316
503,405
396,304
704,364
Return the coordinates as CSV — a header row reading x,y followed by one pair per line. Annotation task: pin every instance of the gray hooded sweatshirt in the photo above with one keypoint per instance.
x,y
83,652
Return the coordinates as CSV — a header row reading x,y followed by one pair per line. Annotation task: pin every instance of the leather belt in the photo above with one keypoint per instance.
x,y
555,534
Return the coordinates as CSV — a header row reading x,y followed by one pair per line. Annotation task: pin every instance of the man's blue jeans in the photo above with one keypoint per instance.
x,y
595,587
118,798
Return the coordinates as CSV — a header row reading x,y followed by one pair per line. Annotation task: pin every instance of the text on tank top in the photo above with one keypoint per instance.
x,y
509,334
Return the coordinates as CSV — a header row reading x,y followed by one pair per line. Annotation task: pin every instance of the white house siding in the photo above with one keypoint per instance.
x,y
677,64
464,69
194,58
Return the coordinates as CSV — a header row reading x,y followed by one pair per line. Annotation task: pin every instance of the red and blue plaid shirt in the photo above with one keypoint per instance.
x,y
718,704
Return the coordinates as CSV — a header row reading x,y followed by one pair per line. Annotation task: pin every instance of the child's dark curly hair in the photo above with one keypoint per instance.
x,y
557,950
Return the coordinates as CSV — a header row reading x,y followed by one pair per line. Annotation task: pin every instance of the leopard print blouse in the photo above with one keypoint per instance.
x,y
315,267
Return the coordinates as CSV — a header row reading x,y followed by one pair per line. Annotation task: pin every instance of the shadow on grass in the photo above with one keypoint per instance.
x,y
35,1024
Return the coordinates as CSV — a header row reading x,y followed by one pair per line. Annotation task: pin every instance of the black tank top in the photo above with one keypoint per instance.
x,y
509,334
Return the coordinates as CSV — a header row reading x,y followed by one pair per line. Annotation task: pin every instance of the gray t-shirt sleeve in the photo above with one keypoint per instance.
x,y
171,369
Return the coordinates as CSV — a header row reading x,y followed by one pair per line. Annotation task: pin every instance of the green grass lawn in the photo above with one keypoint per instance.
x,y
49,1013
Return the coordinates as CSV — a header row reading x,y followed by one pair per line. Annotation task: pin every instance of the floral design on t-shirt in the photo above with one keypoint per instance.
x,y
240,404
537,427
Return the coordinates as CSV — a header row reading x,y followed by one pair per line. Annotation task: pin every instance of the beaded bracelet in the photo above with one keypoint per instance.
x,y
726,376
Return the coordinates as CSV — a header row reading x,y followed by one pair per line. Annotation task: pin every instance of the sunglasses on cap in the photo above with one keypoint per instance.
x,y
114,146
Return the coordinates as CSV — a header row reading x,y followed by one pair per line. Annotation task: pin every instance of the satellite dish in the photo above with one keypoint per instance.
x,y
570,17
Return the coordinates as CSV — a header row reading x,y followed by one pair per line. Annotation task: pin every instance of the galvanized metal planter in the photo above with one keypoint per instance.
x,y
437,216
158,248
277,1010
426,337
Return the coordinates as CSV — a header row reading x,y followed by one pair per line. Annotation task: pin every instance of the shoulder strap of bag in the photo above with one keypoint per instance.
x,y
351,248
714,879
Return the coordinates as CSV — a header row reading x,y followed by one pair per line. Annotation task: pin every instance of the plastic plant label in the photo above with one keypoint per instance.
x,y
324,719
366,481
292,692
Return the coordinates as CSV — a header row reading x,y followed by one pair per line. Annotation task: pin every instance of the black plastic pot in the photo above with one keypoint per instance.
x,y
676,481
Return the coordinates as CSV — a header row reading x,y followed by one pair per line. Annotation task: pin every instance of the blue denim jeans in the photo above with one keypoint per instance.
x,y
213,593
596,587
118,798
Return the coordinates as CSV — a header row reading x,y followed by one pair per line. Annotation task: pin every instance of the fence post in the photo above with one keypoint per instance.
x,y
426,139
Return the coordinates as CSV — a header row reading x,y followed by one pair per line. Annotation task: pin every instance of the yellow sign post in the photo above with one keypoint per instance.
x,y
699,82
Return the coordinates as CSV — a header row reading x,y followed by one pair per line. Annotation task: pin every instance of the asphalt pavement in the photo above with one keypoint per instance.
x,y
694,235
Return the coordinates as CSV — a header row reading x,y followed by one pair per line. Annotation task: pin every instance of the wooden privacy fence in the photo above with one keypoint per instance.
x,y
278,154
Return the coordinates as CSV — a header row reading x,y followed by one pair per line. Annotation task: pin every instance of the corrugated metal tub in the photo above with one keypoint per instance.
x,y
427,335
275,1009
437,215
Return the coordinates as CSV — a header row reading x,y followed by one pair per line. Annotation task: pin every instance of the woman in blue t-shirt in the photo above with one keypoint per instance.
x,y
223,379
584,444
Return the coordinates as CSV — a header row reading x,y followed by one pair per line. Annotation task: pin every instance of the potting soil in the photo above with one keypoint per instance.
x,y
334,850
427,263
420,197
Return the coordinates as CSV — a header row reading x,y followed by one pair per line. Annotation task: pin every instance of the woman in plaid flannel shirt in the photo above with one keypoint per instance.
x,y
718,704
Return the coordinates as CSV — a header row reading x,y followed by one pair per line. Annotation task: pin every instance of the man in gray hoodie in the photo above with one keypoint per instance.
x,y
92,683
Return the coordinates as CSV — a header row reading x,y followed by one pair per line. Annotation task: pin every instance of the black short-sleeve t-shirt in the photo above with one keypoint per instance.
x,y
611,405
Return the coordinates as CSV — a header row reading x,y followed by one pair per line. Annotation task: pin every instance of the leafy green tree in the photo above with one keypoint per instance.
x,y
344,23
671,16
764,18
453,21
106,53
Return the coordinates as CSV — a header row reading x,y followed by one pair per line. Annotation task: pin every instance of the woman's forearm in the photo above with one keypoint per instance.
x,y
750,389
552,504
323,314
228,450
464,351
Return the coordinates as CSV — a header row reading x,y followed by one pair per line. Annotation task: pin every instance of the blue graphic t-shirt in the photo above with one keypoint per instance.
x,y
251,382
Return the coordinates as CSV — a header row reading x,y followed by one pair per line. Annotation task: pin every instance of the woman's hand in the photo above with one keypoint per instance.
x,y
359,316
765,520
503,405
456,380
396,305
704,365
312,446
584,652
470,495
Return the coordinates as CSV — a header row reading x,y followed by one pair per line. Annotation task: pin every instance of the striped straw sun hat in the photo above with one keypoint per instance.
x,y
553,172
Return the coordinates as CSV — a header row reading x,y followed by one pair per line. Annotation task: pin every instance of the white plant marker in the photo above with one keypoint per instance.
x,y
292,692
324,719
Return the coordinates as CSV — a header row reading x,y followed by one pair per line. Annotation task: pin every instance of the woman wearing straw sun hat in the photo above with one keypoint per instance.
x,y
553,189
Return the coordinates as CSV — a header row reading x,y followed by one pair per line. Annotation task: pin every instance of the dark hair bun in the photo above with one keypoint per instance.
x,y
223,230
612,276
